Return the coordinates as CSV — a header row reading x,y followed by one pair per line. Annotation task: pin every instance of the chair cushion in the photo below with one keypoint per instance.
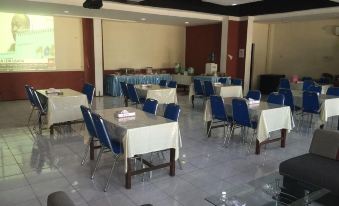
x,y
313,169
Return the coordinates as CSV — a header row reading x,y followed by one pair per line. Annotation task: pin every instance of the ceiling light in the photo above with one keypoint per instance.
x,y
234,4
143,19
66,12
186,22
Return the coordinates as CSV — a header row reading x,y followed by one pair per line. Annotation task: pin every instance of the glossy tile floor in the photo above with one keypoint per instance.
x,y
31,167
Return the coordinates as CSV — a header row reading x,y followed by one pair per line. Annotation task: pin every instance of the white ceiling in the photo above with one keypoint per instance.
x,y
230,2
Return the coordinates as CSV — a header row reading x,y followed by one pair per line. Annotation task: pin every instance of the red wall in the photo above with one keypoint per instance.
x,y
12,84
237,35
201,41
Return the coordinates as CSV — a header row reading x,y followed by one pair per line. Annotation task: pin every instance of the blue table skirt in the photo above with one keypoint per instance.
x,y
213,79
112,82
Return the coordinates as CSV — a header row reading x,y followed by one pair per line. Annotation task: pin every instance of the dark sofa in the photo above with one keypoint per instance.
x,y
317,169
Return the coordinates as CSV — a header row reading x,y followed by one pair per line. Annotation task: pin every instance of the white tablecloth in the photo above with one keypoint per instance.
x,y
65,107
221,90
164,95
270,117
182,79
143,134
299,86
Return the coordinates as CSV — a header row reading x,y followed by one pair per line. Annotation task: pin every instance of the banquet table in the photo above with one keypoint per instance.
x,y
329,105
141,134
212,79
182,79
266,116
299,86
112,82
164,95
63,107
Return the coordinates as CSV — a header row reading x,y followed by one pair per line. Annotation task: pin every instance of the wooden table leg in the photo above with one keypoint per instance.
x,y
172,162
338,124
126,101
91,149
51,130
283,137
257,147
208,126
128,175
192,101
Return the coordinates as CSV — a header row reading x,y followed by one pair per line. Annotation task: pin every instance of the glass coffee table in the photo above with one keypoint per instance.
x,y
264,191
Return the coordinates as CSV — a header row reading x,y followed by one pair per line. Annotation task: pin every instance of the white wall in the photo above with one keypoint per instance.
x,y
138,45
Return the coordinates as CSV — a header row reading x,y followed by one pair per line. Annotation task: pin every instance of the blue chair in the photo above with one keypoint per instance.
x,y
209,90
42,111
284,83
150,106
29,94
324,80
276,98
314,88
237,82
124,90
310,105
198,90
172,84
86,114
89,90
307,79
307,84
172,112
219,114
222,80
163,83
241,117
289,100
334,91
133,95
253,94
108,144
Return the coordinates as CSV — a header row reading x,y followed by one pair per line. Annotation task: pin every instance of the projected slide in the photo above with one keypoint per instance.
x,y
26,42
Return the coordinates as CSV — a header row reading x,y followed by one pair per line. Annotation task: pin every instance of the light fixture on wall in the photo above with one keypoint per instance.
x,y
92,4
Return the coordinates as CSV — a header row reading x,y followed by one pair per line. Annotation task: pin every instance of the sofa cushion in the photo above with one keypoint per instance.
x,y
313,169
325,143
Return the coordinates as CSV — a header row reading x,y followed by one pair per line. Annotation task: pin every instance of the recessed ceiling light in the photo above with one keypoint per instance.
x,y
143,19
186,22
234,4
66,12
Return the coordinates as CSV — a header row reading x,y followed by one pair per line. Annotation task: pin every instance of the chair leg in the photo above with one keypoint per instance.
x,y
210,128
30,116
193,101
180,164
86,151
97,163
110,173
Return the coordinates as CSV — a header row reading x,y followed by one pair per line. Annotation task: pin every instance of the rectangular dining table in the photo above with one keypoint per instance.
x,y
164,95
270,117
63,107
144,133
223,90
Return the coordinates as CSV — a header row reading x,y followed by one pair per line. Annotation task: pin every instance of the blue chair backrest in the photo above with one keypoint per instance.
x,y
198,87
237,82
241,115
289,101
284,83
29,94
103,136
276,98
334,91
306,78
218,108
132,93
172,112
37,101
124,89
172,84
88,90
222,80
324,80
307,84
314,88
254,94
209,90
86,114
163,83
310,102
150,106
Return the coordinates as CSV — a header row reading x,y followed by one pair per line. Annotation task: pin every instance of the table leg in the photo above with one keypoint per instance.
x,y
283,137
91,150
338,124
51,130
208,126
172,162
193,101
126,101
128,175
257,147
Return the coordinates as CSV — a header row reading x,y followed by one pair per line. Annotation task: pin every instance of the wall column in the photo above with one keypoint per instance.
x,y
249,42
223,50
98,65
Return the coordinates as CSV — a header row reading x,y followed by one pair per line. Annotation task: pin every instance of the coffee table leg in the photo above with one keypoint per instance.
x,y
283,137
172,162
257,147
128,175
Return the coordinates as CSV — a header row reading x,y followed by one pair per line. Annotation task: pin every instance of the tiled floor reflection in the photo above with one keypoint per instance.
x,y
31,167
